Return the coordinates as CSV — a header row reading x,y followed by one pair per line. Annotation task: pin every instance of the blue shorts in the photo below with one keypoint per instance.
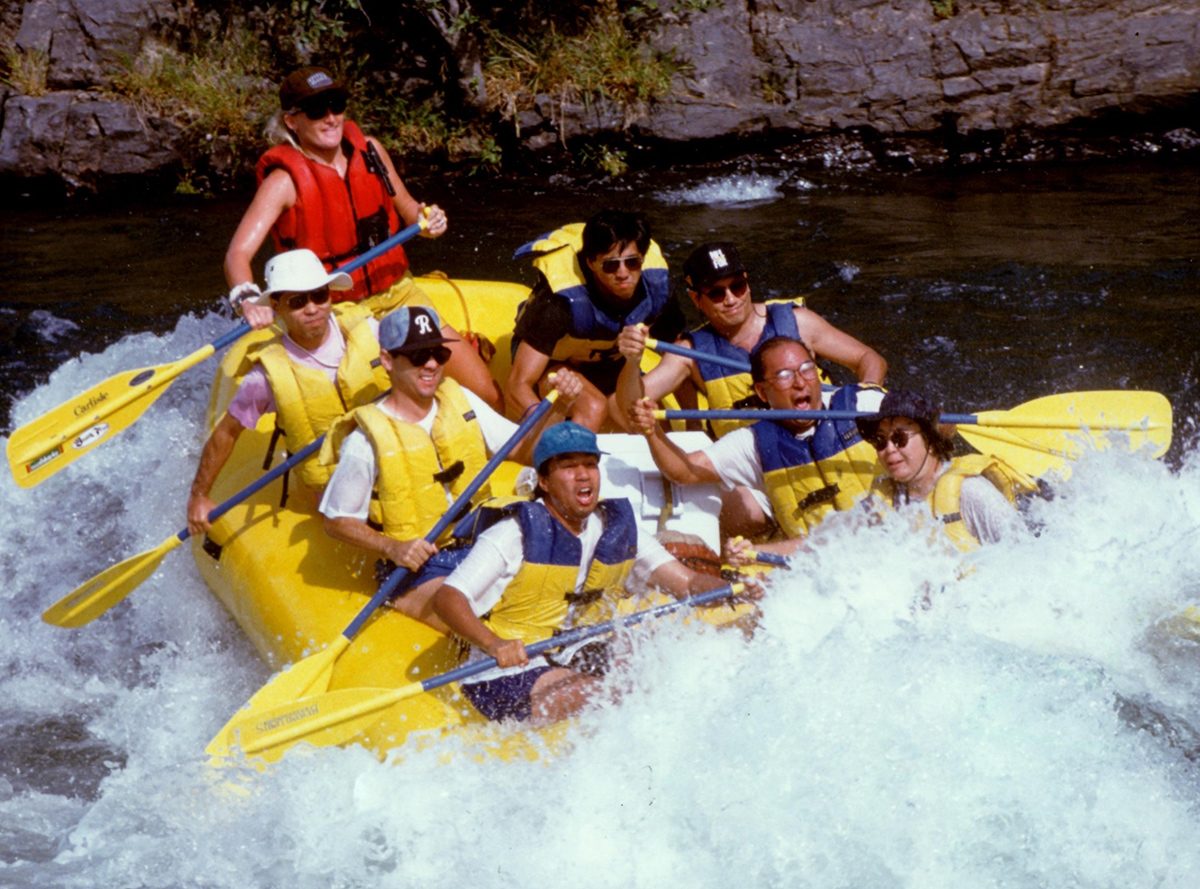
x,y
506,697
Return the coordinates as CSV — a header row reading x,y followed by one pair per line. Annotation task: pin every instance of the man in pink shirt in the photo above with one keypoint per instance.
x,y
315,371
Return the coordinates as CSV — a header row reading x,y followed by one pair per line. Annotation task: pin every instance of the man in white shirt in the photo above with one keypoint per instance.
x,y
544,565
806,468
403,461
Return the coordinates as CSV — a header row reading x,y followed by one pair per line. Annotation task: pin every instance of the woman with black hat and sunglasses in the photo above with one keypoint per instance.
x,y
327,187
971,496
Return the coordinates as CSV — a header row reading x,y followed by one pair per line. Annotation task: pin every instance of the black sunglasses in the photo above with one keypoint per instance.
x,y
738,287
316,109
419,357
297,301
610,266
899,437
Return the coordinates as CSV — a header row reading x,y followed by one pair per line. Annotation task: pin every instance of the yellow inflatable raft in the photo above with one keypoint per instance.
x,y
293,589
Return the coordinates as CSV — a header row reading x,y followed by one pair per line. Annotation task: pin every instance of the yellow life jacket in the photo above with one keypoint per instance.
x,y
808,477
945,498
726,388
542,597
307,403
413,467
593,332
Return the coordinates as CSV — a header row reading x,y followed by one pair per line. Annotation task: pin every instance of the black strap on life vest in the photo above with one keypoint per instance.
x,y
583,597
821,495
277,434
450,473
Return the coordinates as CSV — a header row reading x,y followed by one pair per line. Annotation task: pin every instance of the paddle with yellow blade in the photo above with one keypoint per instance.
x,y
1035,436
42,447
336,717
1040,446
91,599
311,675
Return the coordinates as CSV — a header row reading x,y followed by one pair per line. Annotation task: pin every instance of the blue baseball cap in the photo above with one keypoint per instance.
x,y
408,329
564,438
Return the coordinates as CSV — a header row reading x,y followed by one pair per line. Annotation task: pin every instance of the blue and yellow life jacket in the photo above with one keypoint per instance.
x,y
593,333
542,597
807,477
726,388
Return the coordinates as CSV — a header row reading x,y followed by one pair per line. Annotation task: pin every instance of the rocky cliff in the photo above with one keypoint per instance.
x,y
863,82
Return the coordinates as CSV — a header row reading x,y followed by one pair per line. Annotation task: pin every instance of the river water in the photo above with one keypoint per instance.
x,y
1037,726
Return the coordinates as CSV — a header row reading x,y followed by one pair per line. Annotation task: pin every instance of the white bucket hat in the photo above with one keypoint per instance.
x,y
298,271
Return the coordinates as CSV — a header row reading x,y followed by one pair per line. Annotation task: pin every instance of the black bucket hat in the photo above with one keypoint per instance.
x,y
902,403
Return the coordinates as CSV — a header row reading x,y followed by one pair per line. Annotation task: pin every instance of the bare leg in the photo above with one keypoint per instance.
x,y
560,693
590,408
417,603
467,368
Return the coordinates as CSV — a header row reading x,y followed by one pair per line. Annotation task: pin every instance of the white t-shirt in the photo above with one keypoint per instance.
x,y
985,511
736,460
498,555
348,494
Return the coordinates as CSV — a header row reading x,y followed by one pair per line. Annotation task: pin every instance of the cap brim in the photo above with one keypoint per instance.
x,y
424,344
336,89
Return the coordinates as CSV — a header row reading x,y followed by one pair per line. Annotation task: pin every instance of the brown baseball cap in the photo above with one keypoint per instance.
x,y
304,83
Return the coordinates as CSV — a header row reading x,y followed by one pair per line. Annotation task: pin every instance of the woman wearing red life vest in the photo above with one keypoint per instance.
x,y
327,187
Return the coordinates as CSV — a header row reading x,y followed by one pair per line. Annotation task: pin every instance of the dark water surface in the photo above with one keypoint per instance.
x,y
986,288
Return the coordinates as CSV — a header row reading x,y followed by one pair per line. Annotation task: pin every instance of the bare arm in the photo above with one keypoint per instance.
x,y
569,385
406,205
838,346
452,607
276,194
212,459
679,580
411,554
632,385
520,389
681,467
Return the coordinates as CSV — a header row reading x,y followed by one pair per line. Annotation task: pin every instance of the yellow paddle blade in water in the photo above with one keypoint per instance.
x,y
91,599
58,438
323,720
305,678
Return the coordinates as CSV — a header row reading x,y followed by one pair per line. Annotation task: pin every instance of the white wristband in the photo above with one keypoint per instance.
x,y
239,293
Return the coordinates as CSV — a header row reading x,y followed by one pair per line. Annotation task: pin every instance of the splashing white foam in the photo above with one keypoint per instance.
x,y
858,739
740,189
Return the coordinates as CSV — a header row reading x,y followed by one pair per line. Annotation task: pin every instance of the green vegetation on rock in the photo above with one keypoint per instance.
x,y
450,90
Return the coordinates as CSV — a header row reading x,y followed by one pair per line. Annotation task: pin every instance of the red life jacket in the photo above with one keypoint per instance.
x,y
337,218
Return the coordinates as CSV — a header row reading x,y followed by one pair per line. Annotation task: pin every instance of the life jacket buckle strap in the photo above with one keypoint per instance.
x,y
583,597
448,475
822,495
